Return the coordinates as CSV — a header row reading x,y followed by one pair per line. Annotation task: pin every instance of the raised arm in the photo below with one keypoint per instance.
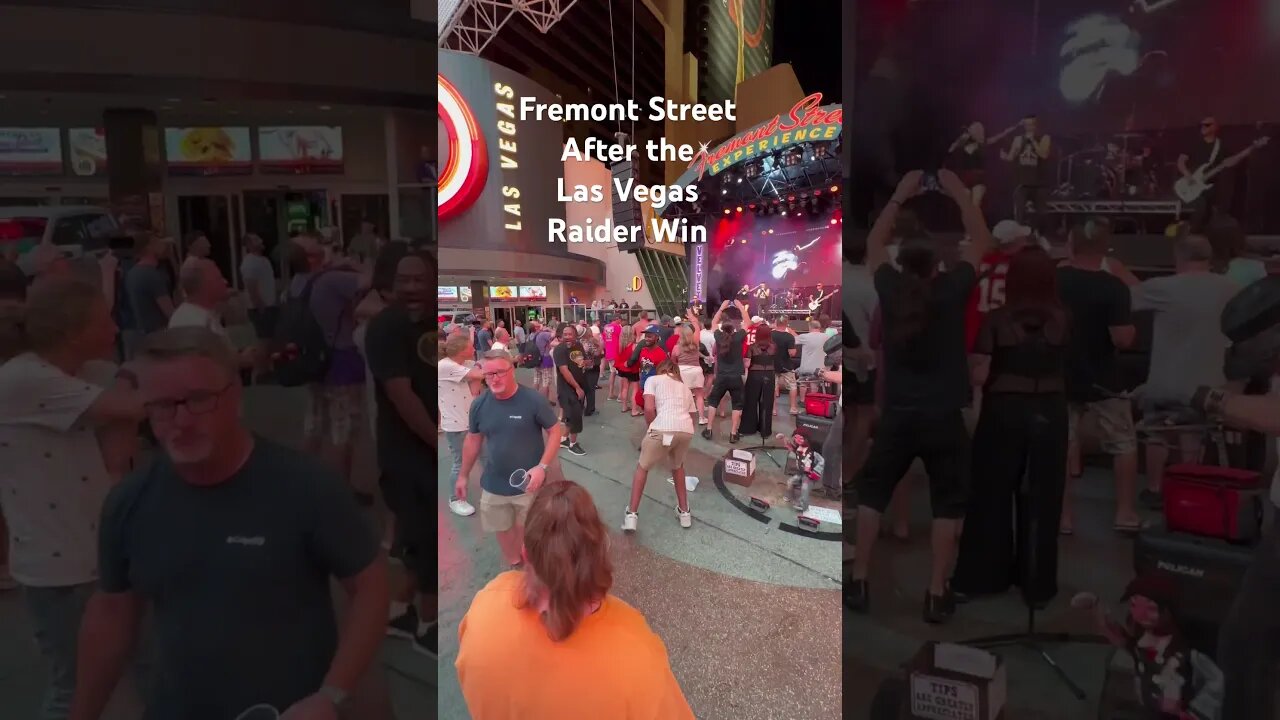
x,y
975,225
882,230
1006,133
715,321
1044,147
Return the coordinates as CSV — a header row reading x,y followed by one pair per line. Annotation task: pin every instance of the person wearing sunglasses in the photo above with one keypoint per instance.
x,y
231,543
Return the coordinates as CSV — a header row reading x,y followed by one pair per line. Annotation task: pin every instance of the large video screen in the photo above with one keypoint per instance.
x,y
30,151
208,151
300,150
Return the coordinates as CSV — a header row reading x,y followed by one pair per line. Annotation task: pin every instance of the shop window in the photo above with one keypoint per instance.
x,y
360,208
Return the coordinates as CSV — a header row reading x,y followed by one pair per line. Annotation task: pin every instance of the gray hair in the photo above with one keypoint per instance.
x,y
499,355
1193,248
187,342
57,308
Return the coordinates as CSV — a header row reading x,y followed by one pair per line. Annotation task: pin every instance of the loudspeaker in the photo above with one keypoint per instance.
x,y
1204,571
814,429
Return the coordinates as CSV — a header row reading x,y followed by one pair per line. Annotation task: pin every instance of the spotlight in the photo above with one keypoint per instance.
x,y
784,213
833,221
770,231
791,198
816,193
835,188
752,206
724,191
739,208
726,211
739,179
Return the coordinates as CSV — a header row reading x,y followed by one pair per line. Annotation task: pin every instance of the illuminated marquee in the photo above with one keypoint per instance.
x,y
807,121
697,288
466,165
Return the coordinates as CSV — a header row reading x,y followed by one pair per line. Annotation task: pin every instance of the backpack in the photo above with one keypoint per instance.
x,y
300,352
530,355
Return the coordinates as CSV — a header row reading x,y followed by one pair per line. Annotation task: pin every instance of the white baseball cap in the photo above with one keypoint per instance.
x,y
1007,231
756,319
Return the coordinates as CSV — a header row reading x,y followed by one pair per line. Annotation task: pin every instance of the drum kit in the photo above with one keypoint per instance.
x,y
1114,168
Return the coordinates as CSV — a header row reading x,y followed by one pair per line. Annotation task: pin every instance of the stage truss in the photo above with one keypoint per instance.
x,y
468,25
1115,207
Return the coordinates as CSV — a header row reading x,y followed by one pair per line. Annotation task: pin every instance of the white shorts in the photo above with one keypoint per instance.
x,y
692,376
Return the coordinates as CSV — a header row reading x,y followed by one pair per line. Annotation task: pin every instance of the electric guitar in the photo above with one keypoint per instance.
x,y
817,302
1190,188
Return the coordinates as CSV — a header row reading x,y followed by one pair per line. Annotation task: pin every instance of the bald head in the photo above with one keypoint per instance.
x,y
202,283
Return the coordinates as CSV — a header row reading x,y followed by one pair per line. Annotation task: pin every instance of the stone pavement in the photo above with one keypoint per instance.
x,y
399,686
750,613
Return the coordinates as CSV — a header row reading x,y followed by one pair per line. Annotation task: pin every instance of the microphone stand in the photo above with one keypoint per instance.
x,y
1030,638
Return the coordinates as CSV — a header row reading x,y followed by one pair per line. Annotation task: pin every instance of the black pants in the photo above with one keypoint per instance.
x,y
1038,195
571,409
939,439
593,379
1011,526
757,404
832,453
1214,203
1249,642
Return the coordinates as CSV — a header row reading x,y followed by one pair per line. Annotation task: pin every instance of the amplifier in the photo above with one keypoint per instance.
x,y
1205,572
814,429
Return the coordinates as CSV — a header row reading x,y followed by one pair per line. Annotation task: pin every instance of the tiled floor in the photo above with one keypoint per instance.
x,y
749,613
1095,559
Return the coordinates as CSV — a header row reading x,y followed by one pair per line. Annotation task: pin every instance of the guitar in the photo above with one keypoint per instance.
x,y
1189,189
817,302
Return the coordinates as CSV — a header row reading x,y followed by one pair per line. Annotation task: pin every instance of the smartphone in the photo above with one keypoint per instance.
x,y
929,183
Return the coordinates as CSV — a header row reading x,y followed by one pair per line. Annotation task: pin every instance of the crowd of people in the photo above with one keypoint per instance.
x,y
680,375
149,529
986,367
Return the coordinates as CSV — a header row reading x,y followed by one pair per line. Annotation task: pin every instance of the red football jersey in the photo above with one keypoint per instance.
x,y
987,295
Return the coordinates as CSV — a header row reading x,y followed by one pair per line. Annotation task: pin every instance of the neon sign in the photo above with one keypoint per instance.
x,y
466,165
807,121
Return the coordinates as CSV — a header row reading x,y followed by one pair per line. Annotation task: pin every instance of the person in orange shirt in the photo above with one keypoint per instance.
x,y
550,643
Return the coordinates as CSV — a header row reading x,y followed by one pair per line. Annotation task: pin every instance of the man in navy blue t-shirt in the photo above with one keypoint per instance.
x,y
525,435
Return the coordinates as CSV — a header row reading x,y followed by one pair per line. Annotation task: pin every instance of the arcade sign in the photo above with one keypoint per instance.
x,y
466,158
807,121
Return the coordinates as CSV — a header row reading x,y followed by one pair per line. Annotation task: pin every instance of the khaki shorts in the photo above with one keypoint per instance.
x,y
1116,434
498,513
652,451
786,381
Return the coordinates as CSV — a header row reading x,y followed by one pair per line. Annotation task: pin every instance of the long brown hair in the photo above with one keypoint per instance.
x,y
567,552
1032,280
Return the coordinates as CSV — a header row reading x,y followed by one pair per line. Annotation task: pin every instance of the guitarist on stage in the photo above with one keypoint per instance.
x,y
1209,153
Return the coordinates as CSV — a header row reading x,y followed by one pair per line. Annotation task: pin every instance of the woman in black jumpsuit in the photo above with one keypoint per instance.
x,y
1020,445
757,408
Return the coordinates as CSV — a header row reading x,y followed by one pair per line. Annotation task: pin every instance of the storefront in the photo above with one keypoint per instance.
x,y
277,171
497,190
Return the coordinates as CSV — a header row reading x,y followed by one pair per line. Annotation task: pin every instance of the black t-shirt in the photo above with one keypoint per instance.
x,y
1202,151
785,342
960,160
1096,302
729,352
931,373
763,356
397,346
570,355
1028,166
1027,346
238,576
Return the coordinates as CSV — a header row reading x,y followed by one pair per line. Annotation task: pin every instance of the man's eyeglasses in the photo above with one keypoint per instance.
x,y
199,402
498,374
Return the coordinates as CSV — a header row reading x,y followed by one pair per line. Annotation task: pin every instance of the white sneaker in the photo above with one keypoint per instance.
x,y
629,521
686,518
461,507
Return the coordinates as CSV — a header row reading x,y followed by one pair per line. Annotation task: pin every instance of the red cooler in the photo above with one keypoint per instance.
x,y
1216,502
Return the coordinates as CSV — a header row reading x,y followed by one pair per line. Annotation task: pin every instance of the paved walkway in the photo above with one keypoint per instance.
x,y
750,613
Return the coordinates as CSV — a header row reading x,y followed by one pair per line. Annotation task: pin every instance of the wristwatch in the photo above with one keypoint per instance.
x,y
336,695
543,466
